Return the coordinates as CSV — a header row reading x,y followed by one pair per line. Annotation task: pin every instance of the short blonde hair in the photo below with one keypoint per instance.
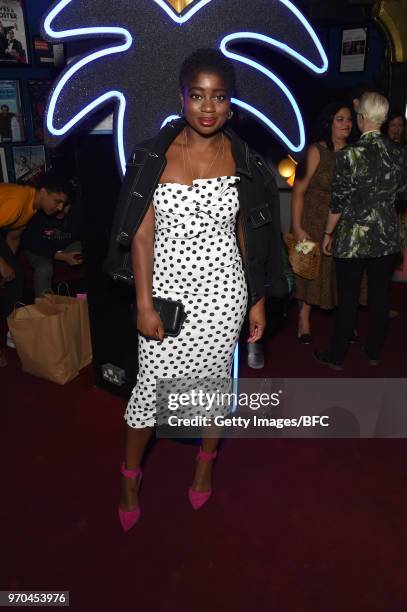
x,y
374,107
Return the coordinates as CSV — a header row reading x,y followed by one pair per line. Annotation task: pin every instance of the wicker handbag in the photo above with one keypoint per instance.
x,y
306,266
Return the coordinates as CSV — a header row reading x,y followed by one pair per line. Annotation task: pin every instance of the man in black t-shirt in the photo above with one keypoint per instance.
x,y
49,239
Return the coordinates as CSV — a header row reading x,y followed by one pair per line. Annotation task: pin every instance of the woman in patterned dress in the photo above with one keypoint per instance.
x,y
187,248
310,208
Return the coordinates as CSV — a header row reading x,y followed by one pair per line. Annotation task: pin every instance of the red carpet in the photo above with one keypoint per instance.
x,y
293,525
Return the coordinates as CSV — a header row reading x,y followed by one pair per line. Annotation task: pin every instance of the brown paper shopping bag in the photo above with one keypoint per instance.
x,y
85,330
43,345
77,321
72,320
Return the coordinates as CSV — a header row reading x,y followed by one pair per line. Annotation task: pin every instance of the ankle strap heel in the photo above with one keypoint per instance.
x,y
129,518
199,498
130,473
204,456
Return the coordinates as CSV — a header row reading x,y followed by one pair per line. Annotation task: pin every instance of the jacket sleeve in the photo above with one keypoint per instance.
x,y
117,264
275,273
402,190
342,183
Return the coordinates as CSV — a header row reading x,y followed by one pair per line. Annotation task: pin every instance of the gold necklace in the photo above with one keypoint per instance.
x,y
209,168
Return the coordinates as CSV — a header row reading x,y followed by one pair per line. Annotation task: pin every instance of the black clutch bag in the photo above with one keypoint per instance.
x,y
172,314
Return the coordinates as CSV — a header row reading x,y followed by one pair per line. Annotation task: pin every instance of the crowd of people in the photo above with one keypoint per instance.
x,y
210,238
338,132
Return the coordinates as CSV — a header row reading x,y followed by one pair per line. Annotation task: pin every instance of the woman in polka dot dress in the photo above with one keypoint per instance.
x,y
186,248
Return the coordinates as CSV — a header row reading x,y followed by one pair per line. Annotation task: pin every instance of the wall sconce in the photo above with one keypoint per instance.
x,y
287,168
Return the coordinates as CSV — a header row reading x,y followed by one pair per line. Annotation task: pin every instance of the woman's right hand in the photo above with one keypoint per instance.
x,y
149,324
300,235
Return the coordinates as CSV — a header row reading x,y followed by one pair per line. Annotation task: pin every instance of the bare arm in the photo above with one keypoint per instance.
x,y
142,255
71,257
331,223
13,239
301,185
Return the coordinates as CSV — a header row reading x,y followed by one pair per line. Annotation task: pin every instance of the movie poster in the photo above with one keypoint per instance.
x,y
39,91
13,36
353,52
47,53
29,163
3,166
11,116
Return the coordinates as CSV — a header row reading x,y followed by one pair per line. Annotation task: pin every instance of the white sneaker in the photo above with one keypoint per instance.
x,y
255,356
10,341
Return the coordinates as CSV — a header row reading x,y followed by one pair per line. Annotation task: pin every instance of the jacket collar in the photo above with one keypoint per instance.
x,y
240,151
170,131
371,135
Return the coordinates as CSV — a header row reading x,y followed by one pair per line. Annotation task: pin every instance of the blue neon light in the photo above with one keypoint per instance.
x,y
168,119
121,48
77,66
261,116
240,36
236,362
314,37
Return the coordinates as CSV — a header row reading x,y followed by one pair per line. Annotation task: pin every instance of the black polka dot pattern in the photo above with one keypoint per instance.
x,y
196,261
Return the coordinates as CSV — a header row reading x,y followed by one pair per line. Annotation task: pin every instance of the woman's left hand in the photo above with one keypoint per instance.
x,y
257,321
327,245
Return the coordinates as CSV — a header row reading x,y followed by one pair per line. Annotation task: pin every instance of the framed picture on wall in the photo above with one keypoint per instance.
x,y
29,163
13,33
3,166
11,112
38,91
47,54
353,50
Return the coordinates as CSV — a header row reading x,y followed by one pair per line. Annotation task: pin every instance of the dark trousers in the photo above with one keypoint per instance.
x,y
12,291
348,277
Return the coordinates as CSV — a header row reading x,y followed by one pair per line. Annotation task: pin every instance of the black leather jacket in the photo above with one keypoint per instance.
x,y
259,211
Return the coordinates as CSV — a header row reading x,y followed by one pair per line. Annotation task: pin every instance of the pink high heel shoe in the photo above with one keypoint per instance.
x,y
199,498
129,519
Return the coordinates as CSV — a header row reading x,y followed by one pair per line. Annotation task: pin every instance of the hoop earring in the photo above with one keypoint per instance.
x,y
230,114
182,108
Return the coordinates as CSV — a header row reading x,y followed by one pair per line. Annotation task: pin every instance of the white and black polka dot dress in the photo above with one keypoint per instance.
x,y
196,261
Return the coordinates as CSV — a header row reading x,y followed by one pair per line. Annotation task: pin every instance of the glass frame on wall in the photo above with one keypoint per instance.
x,y
3,166
29,163
14,47
12,120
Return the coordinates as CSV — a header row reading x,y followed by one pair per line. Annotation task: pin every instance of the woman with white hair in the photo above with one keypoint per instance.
x,y
363,229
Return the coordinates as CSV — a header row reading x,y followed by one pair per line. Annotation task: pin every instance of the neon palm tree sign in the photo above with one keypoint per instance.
x,y
143,45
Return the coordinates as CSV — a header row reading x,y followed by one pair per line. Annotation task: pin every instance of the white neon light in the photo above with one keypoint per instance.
x,y
313,35
255,111
121,48
184,18
168,119
236,362
283,47
288,50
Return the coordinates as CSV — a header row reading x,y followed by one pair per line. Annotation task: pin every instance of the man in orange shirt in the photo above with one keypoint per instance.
x,y
17,205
